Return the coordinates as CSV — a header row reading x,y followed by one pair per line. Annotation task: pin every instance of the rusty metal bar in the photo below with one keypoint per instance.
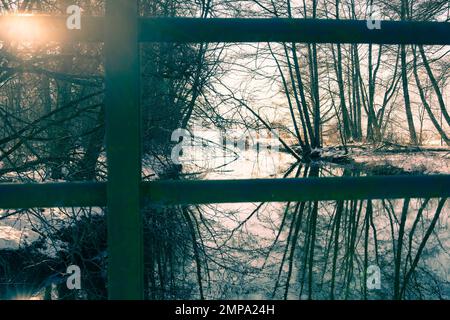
x,y
292,30
175,192
49,28
309,189
44,28
52,195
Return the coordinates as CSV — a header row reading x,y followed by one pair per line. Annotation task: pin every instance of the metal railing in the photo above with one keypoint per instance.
x,y
123,194
182,192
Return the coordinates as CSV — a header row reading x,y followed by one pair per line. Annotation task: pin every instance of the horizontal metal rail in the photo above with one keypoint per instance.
x,y
44,28
52,195
177,192
292,30
194,30
301,189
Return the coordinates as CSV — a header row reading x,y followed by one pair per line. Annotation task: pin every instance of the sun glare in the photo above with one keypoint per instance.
x,y
23,298
22,27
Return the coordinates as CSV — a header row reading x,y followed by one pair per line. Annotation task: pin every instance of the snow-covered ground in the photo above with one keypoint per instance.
x,y
427,162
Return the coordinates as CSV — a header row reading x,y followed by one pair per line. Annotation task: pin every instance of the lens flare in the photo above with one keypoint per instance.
x,y
22,27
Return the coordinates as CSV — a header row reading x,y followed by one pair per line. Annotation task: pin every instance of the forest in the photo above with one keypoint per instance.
x,y
235,111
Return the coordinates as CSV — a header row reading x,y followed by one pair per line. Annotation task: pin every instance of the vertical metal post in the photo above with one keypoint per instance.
x,y
123,146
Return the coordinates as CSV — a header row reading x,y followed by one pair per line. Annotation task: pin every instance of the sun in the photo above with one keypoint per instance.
x,y
22,27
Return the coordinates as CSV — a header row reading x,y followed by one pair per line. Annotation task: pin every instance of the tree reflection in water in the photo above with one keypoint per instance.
x,y
323,250
295,250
